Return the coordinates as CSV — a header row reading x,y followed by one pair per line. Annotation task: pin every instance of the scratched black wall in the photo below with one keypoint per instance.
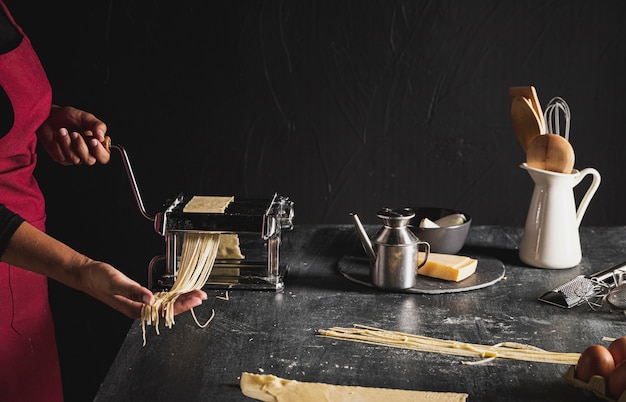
x,y
341,105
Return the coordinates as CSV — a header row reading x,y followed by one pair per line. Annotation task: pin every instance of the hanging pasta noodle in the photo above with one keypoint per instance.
x,y
196,262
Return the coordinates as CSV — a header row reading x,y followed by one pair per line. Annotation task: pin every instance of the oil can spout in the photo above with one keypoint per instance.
x,y
367,244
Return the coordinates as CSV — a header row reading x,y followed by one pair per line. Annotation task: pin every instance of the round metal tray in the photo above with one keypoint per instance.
x,y
488,271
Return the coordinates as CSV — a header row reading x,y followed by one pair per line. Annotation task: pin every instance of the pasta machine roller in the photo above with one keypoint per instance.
x,y
257,224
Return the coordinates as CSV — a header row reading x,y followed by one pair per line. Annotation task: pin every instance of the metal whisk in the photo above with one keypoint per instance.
x,y
552,117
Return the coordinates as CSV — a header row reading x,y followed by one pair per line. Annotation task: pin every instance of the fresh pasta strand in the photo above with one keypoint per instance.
x,y
193,314
198,254
506,350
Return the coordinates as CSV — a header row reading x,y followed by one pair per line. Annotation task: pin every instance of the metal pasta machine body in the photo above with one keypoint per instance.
x,y
257,225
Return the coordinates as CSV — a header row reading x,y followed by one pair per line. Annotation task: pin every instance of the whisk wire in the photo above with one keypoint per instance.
x,y
552,117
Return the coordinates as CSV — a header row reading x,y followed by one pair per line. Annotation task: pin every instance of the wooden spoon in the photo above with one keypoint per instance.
x,y
551,152
526,123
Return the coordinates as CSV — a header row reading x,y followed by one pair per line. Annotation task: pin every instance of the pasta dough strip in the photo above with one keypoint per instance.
x,y
198,254
269,388
507,350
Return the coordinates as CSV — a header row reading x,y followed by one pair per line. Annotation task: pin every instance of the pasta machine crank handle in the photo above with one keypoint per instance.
x,y
131,176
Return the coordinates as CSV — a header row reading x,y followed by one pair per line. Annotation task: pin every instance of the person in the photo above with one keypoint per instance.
x,y
29,365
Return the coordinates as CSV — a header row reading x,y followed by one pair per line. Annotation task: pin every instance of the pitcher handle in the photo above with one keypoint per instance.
x,y
593,187
427,250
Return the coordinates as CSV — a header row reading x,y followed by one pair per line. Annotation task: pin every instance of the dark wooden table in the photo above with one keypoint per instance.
x,y
275,332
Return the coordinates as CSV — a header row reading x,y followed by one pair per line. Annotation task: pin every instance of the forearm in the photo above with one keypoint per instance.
x,y
34,250
9,222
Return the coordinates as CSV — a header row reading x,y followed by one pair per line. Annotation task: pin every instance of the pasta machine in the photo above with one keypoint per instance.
x,y
256,223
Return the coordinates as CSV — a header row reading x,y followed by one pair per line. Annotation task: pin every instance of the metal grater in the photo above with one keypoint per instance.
x,y
584,288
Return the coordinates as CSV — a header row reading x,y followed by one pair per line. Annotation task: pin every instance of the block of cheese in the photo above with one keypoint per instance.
x,y
269,388
448,267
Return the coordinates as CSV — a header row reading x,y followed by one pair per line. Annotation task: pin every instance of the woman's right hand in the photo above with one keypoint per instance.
x,y
73,137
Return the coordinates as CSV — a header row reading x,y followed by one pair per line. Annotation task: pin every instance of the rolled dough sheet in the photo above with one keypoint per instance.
x,y
208,204
270,388
229,247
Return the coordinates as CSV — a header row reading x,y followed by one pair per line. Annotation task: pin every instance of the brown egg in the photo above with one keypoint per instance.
x,y
595,360
618,350
616,381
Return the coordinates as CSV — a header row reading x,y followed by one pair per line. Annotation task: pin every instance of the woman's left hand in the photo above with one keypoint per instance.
x,y
112,287
72,137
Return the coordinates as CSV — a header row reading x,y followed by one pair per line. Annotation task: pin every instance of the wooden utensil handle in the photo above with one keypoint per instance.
x,y
107,143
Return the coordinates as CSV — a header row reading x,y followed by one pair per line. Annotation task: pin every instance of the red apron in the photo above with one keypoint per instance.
x,y
29,364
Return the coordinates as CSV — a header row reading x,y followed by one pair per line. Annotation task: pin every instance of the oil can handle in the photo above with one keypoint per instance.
x,y
131,176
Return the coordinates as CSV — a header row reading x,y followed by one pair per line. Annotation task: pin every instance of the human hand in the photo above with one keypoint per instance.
x,y
105,283
38,252
72,136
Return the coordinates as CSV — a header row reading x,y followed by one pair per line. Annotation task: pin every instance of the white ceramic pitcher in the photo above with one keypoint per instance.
x,y
551,237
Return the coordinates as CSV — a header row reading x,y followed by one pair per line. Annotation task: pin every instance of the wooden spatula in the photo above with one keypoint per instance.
x,y
526,122
530,93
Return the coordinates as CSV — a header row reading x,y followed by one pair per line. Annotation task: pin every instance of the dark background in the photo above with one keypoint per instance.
x,y
340,105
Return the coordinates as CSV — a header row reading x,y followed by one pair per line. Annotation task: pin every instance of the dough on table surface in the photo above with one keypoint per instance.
x,y
208,204
270,388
